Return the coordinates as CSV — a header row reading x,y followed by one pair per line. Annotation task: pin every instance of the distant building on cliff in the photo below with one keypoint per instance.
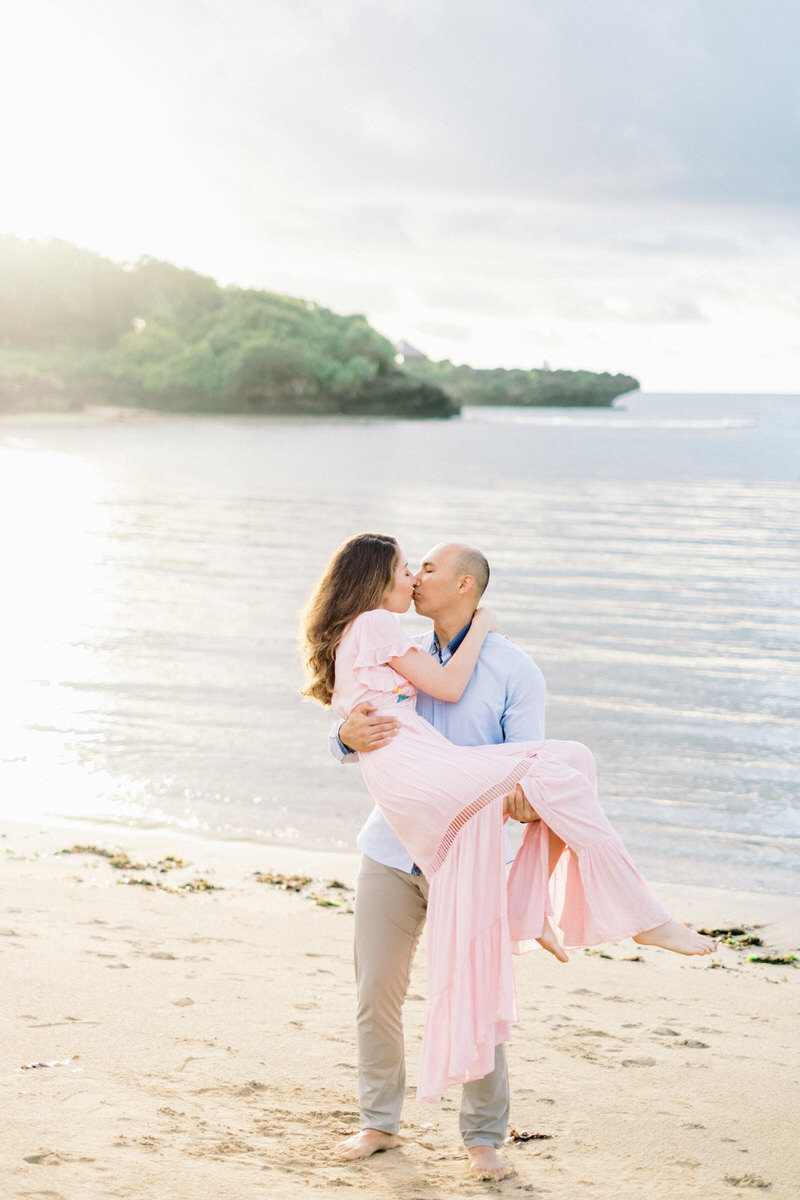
x,y
405,351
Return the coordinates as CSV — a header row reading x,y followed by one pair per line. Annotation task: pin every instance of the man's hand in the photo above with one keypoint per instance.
x,y
366,730
517,806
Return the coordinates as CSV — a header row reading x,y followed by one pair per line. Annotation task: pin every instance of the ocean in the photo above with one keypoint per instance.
x,y
647,556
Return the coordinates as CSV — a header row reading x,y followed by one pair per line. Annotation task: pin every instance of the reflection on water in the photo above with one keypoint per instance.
x,y
647,558
53,599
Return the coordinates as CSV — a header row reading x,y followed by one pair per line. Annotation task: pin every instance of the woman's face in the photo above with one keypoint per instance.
x,y
397,596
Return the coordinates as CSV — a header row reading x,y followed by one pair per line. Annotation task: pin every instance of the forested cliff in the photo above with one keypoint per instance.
x,y
77,329
539,386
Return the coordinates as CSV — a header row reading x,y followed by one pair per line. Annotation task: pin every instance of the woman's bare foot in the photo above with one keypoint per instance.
x,y
486,1163
674,936
367,1142
549,941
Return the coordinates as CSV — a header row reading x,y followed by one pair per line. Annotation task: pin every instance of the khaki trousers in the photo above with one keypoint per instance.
x,y
390,909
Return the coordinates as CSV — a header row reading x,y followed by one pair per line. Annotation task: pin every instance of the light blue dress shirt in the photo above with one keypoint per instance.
x,y
504,701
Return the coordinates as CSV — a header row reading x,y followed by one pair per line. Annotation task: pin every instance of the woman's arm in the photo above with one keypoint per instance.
x,y
447,682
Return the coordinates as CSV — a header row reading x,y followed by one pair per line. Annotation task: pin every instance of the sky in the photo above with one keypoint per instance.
x,y
611,185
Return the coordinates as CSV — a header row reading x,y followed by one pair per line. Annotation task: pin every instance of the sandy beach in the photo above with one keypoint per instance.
x,y
175,1026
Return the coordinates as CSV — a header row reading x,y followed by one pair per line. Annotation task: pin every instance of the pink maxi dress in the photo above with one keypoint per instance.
x,y
445,803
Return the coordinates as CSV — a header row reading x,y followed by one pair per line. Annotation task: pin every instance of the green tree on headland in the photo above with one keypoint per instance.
x,y
540,386
76,328
53,294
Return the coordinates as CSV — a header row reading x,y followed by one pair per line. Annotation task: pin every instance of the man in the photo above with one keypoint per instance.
x,y
504,701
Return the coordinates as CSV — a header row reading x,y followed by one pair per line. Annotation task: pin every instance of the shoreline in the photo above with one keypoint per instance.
x,y
294,856
214,1029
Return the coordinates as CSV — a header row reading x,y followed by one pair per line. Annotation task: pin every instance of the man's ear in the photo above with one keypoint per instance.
x,y
465,583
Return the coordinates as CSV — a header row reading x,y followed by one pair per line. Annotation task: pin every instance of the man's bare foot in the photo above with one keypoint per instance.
x,y
486,1163
549,941
674,936
367,1142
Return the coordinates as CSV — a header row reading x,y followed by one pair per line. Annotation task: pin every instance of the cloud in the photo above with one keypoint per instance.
x,y
461,335
650,309
687,100
681,242
479,171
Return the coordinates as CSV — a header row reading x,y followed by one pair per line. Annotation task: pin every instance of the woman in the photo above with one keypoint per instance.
x,y
445,803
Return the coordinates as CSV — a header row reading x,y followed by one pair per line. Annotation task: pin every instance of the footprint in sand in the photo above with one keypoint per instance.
x,y
52,1158
686,1043
250,1088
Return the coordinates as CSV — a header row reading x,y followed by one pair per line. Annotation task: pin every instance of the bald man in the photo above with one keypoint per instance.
x,y
503,702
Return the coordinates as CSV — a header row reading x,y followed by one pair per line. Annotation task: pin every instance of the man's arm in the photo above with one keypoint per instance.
x,y
364,730
523,718
523,721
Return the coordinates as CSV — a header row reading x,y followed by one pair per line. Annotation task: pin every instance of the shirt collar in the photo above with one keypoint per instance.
x,y
452,646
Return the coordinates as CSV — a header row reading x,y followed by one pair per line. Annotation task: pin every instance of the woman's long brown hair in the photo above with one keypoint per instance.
x,y
355,581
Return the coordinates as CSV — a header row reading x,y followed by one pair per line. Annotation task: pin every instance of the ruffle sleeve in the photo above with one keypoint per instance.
x,y
379,637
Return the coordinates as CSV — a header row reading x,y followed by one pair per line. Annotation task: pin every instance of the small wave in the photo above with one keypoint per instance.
x,y
607,420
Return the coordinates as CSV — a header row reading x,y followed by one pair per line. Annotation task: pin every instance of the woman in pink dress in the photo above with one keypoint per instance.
x,y
445,803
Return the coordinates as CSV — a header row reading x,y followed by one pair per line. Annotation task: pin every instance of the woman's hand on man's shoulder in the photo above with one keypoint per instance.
x,y
488,618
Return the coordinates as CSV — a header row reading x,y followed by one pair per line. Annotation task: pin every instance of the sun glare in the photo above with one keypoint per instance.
x,y
87,146
52,595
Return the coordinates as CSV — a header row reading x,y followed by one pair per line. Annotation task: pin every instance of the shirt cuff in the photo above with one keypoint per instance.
x,y
340,752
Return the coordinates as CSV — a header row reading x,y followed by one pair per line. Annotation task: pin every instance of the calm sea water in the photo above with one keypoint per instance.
x,y
647,556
